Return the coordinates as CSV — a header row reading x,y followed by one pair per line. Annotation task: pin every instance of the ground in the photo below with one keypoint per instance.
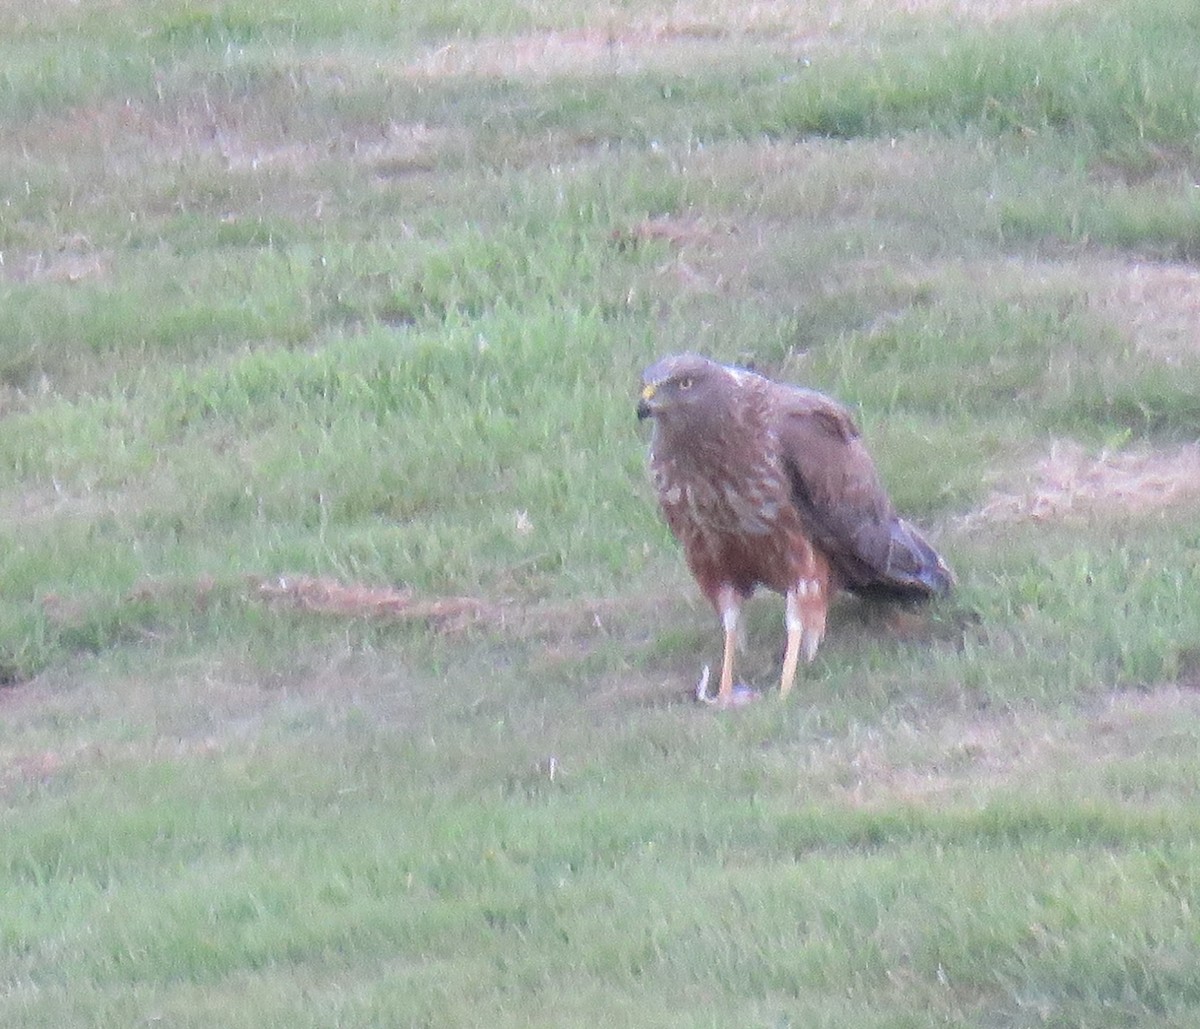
x,y
345,659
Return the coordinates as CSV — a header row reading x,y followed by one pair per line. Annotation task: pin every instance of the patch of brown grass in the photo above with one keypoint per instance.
x,y
963,758
124,136
1156,305
330,597
696,245
29,767
677,230
987,11
1068,482
542,55
74,260
398,148
623,41
556,624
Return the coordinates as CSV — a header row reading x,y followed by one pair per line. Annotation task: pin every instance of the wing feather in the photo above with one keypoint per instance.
x,y
845,508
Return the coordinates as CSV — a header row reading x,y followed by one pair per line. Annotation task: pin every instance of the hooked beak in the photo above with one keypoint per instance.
x,y
644,410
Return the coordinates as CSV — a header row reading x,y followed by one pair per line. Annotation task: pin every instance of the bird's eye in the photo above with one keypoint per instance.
x,y
685,383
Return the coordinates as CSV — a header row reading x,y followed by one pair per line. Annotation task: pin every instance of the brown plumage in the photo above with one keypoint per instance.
x,y
766,484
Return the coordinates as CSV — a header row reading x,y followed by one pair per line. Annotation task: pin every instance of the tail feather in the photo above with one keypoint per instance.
x,y
913,570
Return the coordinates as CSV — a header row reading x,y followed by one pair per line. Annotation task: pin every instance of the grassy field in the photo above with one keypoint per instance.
x,y
344,657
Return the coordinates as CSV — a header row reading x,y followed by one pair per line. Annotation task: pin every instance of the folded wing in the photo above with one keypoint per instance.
x,y
846,511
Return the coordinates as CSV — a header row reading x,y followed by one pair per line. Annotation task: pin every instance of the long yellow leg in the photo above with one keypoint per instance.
x,y
807,603
814,620
795,634
730,605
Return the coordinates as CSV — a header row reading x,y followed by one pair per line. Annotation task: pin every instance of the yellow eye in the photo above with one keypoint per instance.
x,y
685,383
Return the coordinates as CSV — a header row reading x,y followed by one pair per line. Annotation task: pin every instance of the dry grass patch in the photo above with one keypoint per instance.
x,y
699,250
753,205
121,130
589,52
986,11
1156,305
625,41
17,16
1070,483
394,149
826,176
330,597
74,261
969,758
126,136
552,623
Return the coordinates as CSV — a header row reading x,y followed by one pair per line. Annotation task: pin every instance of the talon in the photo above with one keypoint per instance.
x,y
739,696
742,695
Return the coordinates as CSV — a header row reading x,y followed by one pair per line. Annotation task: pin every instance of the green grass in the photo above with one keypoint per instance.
x,y
361,292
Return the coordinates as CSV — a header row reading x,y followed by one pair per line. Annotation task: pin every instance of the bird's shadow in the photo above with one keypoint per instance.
x,y
855,626
914,622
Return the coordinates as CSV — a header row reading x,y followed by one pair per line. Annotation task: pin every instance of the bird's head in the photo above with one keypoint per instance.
x,y
679,386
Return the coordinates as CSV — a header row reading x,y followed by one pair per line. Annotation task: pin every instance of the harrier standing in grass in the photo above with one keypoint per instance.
x,y
766,484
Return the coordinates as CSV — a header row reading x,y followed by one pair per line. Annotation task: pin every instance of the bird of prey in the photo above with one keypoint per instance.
x,y
768,484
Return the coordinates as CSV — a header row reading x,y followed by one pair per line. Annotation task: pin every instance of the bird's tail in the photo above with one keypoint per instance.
x,y
913,571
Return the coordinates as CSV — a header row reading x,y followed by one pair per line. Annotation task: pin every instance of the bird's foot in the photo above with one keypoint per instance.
x,y
739,696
